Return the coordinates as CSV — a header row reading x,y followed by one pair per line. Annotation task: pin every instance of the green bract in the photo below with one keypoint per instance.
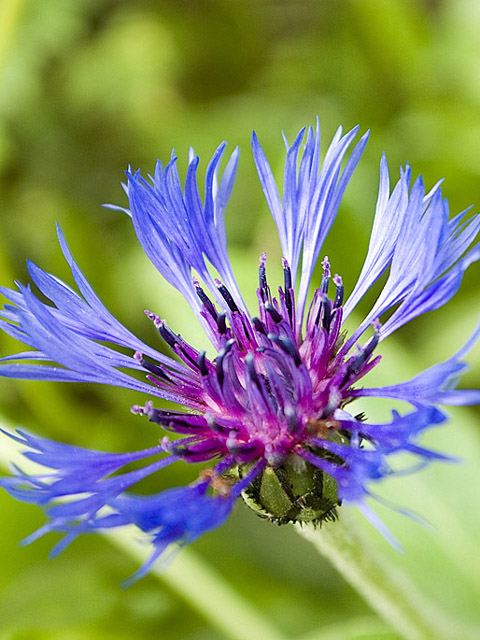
x,y
294,492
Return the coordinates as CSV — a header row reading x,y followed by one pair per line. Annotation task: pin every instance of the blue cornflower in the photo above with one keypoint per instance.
x,y
271,409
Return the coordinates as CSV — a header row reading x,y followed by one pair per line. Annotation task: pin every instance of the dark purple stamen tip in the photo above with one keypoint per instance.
x,y
337,280
327,314
226,295
262,277
221,357
167,334
207,303
250,363
201,363
287,346
259,326
287,277
273,313
292,420
222,323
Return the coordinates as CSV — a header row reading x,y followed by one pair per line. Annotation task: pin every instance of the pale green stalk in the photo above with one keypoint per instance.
x,y
196,582
390,593
10,15
359,628
204,590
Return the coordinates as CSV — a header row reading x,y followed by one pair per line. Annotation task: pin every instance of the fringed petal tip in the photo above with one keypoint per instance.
x,y
97,498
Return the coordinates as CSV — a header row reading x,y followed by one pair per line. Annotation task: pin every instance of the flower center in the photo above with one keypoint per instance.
x,y
271,394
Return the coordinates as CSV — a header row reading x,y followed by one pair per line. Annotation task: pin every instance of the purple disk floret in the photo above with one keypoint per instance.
x,y
276,393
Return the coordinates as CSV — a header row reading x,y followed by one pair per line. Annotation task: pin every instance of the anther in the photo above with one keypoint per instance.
x,y
249,361
207,303
287,275
287,346
167,334
337,280
156,370
226,295
201,363
222,323
262,277
326,275
358,361
291,416
276,317
259,326
220,358
327,314
150,366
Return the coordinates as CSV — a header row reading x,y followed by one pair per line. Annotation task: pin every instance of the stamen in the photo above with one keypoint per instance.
x,y
292,421
150,366
326,275
287,346
276,317
207,303
262,277
146,410
167,334
222,323
357,362
156,370
321,308
201,363
259,326
337,280
287,280
226,295
249,361
221,357
287,275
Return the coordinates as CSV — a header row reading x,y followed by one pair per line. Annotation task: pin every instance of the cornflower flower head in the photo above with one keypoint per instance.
x,y
271,409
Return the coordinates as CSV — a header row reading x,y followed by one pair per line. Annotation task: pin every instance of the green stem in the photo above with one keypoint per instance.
x,y
10,16
388,592
204,590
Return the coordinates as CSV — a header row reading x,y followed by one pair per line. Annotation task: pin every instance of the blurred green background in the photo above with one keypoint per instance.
x,y
90,86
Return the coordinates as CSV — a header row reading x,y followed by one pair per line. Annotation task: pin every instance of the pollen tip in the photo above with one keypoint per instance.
x,y
146,410
165,444
337,280
263,259
153,317
138,356
285,264
136,409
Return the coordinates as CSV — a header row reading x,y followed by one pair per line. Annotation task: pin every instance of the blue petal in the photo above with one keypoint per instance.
x,y
75,471
396,435
311,198
67,334
175,516
387,226
435,385
423,248
177,231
